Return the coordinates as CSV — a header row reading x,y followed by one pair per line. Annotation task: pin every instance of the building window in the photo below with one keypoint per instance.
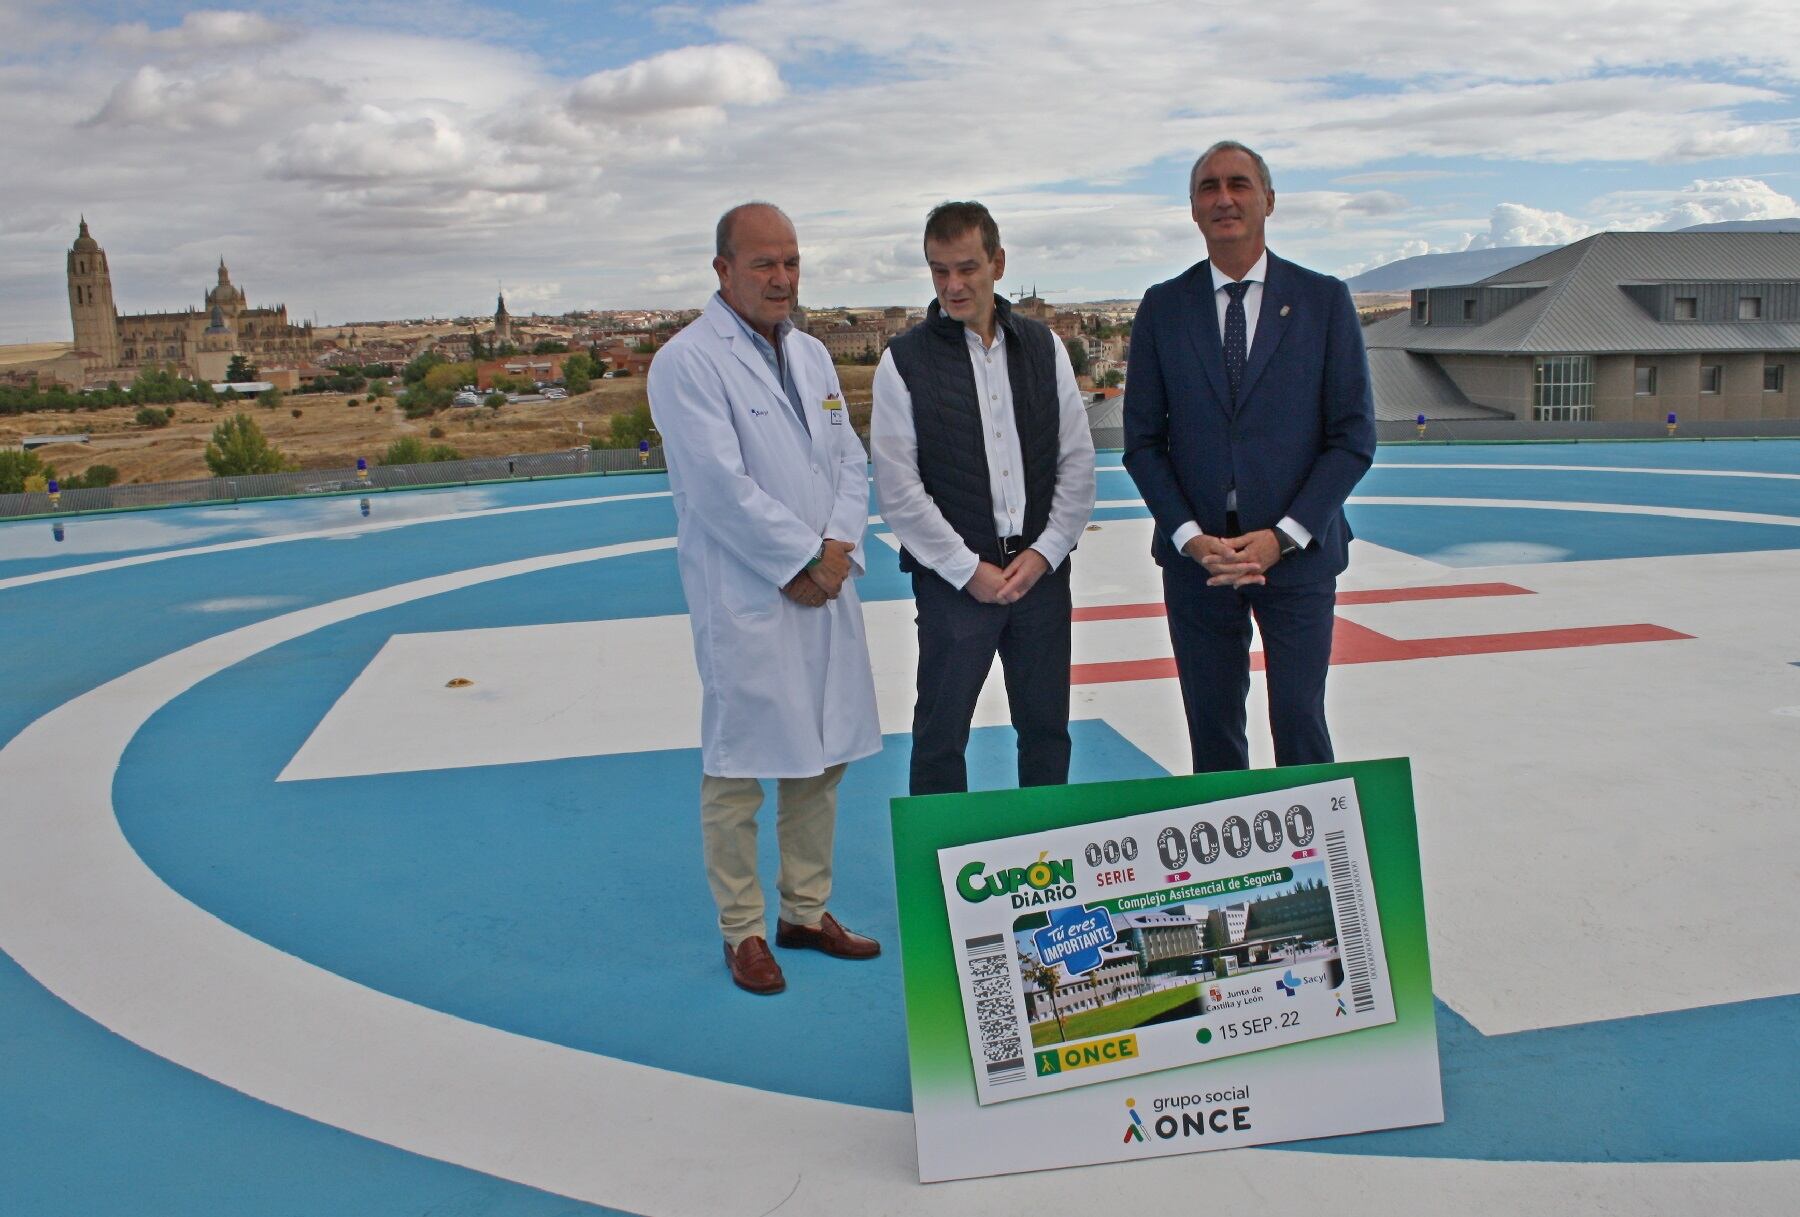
x,y
1646,382
1687,308
1562,388
1468,310
1419,311
1772,377
1710,378
1749,308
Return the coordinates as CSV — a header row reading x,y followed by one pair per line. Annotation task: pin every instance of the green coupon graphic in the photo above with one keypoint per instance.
x,y
1219,960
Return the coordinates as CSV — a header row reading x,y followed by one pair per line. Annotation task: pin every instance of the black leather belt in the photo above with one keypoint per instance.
x,y
1010,548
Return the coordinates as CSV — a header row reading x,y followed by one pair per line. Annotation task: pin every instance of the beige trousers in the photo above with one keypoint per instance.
x,y
805,819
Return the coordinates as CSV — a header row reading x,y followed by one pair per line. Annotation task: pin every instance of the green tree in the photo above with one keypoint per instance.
x,y
150,416
645,347
1078,357
240,370
411,450
420,400
1048,977
628,427
17,467
1113,379
93,478
238,447
446,375
494,401
549,346
578,373
414,372
269,397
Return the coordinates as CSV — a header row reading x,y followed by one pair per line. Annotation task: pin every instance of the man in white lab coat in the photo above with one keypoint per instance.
x,y
771,499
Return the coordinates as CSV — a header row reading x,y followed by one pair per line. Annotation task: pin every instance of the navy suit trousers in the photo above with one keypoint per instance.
x,y
1210,629
958,639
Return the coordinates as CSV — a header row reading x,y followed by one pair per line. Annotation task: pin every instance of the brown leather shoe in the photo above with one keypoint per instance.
x,y
828,936
753,968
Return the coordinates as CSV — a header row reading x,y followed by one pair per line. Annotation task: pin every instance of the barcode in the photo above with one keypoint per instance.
x,y
1346,894
991,991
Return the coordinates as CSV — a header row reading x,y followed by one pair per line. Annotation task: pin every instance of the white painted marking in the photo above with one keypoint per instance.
x,y
331,534
1507,467
239,604
1627,469
1605,509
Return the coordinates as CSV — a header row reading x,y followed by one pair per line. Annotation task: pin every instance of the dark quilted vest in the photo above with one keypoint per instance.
x,y
933,359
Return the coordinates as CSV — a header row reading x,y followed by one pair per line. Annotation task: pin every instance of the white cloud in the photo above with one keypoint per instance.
x,y
374,145
151,97
211,30
1517,224
1701,201
693,83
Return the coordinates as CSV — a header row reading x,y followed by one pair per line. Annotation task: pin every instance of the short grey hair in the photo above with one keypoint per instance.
x,y
1230,145
722,234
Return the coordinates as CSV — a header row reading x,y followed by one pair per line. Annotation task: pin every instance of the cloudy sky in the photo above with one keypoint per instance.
x,y
374,159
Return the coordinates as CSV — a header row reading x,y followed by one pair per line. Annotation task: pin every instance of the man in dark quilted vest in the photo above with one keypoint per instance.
x,y
984,469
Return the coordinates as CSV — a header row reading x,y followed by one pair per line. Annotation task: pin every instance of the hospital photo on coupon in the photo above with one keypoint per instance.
x,y
1166,939
1172,963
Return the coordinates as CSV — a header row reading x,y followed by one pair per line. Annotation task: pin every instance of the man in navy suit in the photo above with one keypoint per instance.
x,y
1248,421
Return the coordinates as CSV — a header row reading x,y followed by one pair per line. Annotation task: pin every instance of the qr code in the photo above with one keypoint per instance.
x,y
993,964
999,1039
987,988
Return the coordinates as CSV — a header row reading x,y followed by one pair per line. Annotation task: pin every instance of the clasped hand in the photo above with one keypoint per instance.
x,y
991,584
1236,561
824,579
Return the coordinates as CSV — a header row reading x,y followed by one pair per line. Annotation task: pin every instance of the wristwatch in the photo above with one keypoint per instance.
x,y
1288,545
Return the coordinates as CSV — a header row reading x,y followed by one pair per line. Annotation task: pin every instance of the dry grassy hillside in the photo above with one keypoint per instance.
x,y
330,434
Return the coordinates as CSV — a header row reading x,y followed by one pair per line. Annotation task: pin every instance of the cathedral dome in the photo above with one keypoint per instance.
x,y
85,243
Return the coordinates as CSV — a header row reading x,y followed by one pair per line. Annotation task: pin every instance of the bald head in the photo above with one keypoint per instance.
x,y
758,264
725,233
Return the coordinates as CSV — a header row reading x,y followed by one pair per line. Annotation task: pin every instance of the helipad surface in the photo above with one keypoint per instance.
x,y
287,926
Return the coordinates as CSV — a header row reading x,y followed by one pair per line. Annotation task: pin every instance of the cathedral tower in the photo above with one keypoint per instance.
x,y
91,300
502,323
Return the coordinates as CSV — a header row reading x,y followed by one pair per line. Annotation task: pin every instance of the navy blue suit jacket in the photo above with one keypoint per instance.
x,y
1300,439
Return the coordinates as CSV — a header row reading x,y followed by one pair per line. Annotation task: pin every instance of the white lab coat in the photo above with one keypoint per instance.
x,y
786,690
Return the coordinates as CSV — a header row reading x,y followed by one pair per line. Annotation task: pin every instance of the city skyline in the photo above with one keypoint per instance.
x,y
383,161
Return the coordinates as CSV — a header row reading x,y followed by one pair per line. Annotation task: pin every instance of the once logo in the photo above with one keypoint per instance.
x,y
1134,1131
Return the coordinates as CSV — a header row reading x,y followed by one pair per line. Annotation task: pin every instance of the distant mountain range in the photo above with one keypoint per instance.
x,y
1441,270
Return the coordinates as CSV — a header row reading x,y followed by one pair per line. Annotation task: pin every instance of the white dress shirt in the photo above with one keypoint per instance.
x,y
1256,276
914,515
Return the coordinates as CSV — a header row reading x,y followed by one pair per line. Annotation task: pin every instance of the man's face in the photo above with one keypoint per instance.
x,y
1230,204
963,276
762,276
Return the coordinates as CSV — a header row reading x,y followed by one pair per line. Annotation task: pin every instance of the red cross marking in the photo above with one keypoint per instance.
x,y
1353,643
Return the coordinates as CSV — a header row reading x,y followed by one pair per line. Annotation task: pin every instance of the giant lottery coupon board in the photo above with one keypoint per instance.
x,y
1133,969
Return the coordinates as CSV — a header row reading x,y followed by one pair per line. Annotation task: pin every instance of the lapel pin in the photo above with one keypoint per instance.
x,y
1285,310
